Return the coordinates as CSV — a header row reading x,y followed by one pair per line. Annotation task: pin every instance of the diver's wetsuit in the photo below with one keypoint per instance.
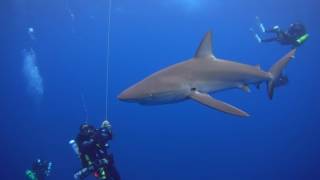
x,y
94,156
281,37
40,170
289,37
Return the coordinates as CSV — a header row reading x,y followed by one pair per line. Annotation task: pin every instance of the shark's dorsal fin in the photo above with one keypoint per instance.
x,y
205,48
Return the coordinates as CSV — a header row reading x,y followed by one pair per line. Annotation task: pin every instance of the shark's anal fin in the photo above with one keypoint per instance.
x,y
209,101
245,88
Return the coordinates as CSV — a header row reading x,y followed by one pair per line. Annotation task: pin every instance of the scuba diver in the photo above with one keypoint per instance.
x,y
295,36
40,170
91,145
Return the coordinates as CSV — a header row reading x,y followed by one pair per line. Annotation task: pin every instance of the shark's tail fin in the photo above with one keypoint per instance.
x,y
277,78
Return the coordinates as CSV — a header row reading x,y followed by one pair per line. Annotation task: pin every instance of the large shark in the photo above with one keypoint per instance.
x,y
203,74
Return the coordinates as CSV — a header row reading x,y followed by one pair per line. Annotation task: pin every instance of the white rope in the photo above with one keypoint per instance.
x,y
85,109
108,57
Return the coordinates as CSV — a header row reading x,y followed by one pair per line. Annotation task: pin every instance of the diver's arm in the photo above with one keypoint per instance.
x,y
106,130
87,144
106,133
84,143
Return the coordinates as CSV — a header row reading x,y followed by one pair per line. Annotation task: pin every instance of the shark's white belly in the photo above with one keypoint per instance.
x,y
213,86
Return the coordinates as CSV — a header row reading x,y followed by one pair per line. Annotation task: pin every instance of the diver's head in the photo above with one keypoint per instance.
x,y
86,130
39,164
105,124
297,26
36,163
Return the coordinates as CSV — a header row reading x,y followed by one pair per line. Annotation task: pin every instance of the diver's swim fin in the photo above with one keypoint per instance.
x,y
260,25
256,35
209,101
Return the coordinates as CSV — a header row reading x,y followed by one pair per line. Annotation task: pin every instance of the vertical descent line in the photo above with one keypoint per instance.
x,y
108,58
85,109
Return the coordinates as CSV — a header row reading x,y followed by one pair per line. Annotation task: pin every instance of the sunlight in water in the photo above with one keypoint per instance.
x,y
189,4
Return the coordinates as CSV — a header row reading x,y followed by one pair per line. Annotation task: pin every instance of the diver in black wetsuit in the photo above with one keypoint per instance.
x,y
92,147
40,170
295,36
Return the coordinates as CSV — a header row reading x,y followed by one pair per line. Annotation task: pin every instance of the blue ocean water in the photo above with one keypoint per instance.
x,y
178,141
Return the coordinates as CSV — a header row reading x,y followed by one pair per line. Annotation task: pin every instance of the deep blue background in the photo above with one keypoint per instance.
x,y
281,139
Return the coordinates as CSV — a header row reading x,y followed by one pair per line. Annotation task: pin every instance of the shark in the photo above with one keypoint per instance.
x,y
201,77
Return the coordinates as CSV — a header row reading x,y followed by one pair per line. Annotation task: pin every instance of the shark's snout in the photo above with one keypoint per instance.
x,y
125,96
130,94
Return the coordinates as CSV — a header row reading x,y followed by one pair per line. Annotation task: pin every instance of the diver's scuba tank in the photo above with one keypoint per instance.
x,y
74,146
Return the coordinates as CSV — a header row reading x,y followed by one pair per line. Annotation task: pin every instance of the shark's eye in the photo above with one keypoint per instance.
x,y
193,89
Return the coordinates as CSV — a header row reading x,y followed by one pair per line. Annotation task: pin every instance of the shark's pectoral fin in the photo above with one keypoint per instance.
x,y
207,100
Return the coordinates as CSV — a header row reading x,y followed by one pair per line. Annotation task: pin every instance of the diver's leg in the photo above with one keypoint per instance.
x,y
274,29
114,173
102,173
271,31
269,40
82,174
